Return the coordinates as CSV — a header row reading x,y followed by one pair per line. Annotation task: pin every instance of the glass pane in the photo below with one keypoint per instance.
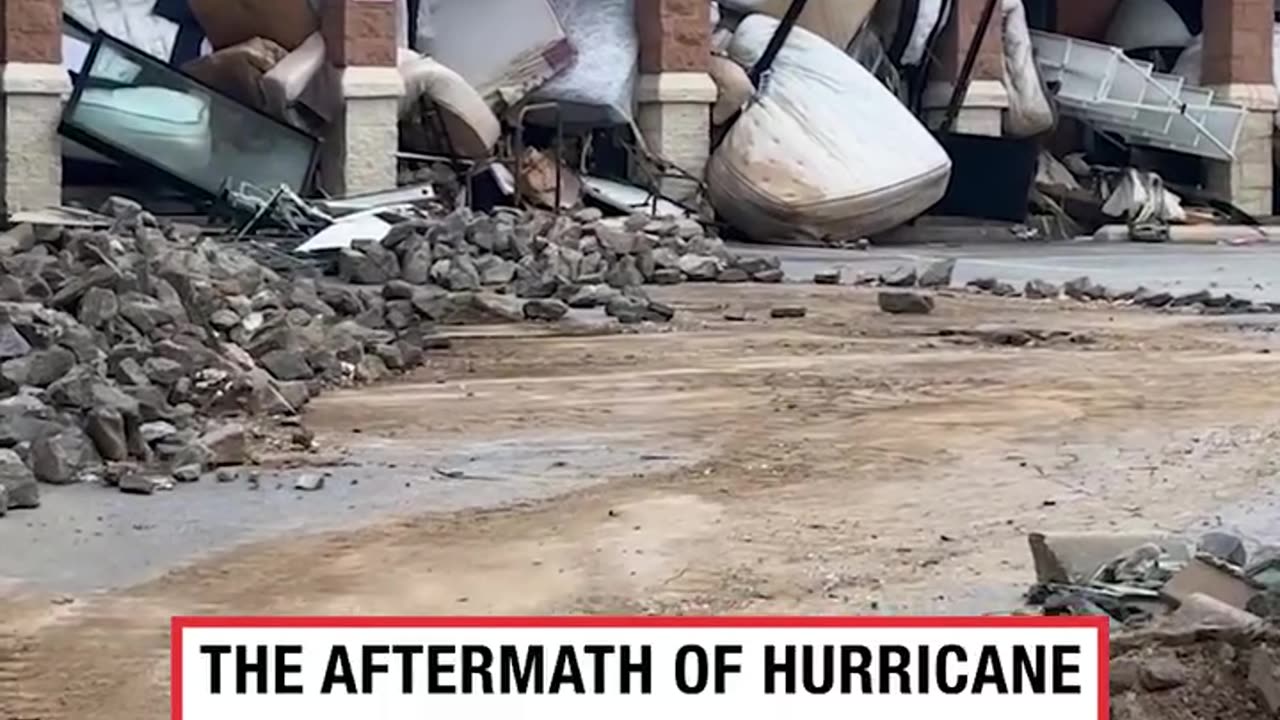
x,y
146,111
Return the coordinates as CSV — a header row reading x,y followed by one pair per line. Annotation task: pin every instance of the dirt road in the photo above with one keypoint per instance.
x,y
845,463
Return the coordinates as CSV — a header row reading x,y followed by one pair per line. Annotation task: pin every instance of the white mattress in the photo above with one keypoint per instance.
x,y
825,152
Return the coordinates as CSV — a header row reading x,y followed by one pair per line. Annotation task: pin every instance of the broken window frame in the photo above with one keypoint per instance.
x,y
108,148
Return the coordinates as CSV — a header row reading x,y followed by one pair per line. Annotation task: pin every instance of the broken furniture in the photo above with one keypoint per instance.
x,y
143,113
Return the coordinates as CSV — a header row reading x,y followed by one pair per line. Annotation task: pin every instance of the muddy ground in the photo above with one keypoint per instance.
x,y
846,463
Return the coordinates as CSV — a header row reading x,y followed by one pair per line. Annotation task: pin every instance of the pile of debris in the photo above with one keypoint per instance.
x,y
136,356
1168,600
937,276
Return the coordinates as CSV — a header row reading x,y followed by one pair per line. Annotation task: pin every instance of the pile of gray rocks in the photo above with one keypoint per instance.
x,y
141,356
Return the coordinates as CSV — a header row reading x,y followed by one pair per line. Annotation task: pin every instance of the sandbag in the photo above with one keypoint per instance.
x,y
1030,112
599,86
472,127
824,152
837,21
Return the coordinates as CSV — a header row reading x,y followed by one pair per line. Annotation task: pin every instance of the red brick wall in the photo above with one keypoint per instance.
x,y
31,31
675,35
1238,41
360,32
1088,19
955,40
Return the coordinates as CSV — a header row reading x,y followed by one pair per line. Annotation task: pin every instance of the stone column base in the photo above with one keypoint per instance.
x,y
31,101
360,152
674,115
1247,182
981,113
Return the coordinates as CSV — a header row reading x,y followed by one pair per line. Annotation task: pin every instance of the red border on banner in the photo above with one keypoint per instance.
x,y
1099,624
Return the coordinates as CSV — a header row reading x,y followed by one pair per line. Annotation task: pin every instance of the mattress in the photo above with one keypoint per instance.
x,y
824,152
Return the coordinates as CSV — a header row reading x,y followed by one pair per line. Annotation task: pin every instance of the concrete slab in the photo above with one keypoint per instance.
x,y
1251,272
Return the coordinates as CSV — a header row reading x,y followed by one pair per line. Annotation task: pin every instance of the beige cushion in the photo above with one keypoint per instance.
x,y
473,129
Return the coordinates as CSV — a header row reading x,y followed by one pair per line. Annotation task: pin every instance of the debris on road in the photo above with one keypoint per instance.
x,y
905,303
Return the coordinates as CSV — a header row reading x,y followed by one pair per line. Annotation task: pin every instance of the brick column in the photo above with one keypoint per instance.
x,y
982,112
360,38
1237,64
33,87
675,94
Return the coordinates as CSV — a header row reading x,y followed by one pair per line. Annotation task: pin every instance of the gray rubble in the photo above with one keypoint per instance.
x,y
145,354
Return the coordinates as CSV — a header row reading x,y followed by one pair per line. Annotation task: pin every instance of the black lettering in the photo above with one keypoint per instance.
x,y
894,661
519,676
338,671
725,668
436,667
772,667
811,670
599,656
990,671
245,668
567,672
284,669
922,669
407,653
369,665
860,667
1062,654
701,671
476,662
1030,669
945,684
643,668
215,653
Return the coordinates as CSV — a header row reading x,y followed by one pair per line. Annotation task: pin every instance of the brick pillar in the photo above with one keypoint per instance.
x,y
982,112
1237,64
675,94
360,38
33,87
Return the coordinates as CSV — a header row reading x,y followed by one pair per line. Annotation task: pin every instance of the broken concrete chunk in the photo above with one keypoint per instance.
x,y
701,268
1225,546
548,310
1041,290
788,312
733,275
1078,289
905,303
1163,673
938,274
58,459
1264,676
309,483
287,365
12,343
901,276
18,482
227,445
143,484
106,428
771,276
